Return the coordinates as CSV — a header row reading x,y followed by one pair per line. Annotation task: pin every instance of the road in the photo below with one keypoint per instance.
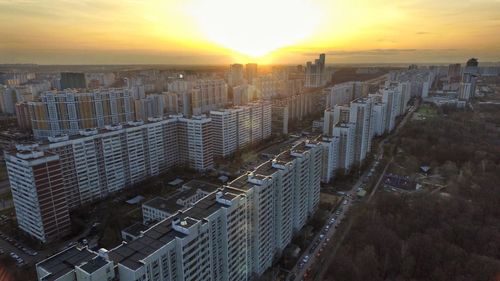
x,y
329,229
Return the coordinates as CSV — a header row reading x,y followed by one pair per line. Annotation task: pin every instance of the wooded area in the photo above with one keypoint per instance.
x,y
452,235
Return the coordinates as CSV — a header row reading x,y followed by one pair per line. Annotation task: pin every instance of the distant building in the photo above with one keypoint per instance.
x,y
454,73
240,95
316,73
235,75
23,116
73,80
343,93
69,112
465,91
251,72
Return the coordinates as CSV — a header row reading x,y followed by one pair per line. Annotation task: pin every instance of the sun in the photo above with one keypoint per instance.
x,y
255,27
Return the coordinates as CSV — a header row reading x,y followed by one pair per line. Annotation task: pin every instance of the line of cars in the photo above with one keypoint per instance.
x,y
3,219
18,259
321,241
18,245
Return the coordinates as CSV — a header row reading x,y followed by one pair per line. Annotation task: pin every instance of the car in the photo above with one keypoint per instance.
x,y
305,259
321,236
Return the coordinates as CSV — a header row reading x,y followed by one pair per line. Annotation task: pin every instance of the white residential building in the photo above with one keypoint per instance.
x,y
378,121
38,192
361,116
225,131
345,133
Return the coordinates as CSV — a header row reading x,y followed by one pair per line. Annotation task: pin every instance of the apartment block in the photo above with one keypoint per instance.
x,y
225,131
343,93
233,233
330,157
195,138
361,116
345,133
70,111
378,121
38,192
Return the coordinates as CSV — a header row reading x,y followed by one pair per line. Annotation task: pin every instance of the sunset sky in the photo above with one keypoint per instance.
x,y
263,31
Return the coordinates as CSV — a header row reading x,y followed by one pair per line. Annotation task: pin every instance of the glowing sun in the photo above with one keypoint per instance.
x,y
255,27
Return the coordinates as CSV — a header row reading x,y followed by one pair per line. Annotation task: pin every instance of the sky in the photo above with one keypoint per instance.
x,y
262,31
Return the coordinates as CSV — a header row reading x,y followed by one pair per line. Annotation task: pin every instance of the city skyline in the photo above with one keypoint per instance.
x,y
198,32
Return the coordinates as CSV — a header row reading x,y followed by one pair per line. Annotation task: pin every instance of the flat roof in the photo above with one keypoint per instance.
x,y
65,261
171,206
241,183
203,185
135,229
94,264
166,205
265,169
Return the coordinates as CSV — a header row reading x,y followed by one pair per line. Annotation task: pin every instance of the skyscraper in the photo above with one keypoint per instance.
x,y
235,75
251,71
315,73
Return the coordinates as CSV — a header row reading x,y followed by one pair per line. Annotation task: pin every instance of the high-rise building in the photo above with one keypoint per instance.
x,y
196,145
330,158
315,73
225,131
465,91
96,163
23,116
470,75
454,73
208,95
251,71
233,233
235,75
378,121
361,115
38,192
345,134
390,98
244,134
240,95
343,93
69,112
339,113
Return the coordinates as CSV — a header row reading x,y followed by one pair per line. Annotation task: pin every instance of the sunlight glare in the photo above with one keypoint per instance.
x,y
255,27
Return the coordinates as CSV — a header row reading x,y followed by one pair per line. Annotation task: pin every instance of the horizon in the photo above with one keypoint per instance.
x,y
218,32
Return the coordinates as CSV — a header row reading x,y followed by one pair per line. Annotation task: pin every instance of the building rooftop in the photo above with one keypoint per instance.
x,y
135,229
130,254
265,169
172,204
203,185
94,264
65,261
166,205
240,183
